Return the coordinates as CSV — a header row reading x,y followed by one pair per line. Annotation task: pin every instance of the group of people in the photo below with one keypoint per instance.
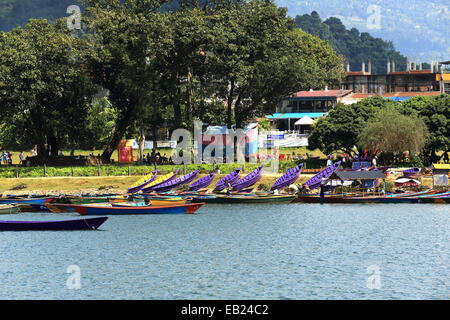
x,y
157,158
7,158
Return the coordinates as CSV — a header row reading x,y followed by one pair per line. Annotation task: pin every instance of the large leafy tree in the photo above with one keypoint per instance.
x,y
129,40
435,112
43,84
392,133
261,57
340,129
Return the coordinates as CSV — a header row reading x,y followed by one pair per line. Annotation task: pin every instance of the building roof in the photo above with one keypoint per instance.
x,y
358,175
276,116
358,73
395,94
445,62
424,71
304,121
322,93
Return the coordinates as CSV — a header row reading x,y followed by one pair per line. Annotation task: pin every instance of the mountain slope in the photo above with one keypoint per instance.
x,y
419,28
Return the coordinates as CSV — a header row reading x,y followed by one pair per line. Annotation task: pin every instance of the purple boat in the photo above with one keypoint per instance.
x,y
249,180
288,178
144,184
175,173
411,172
229,179
167,186
315,181
202,183
61,225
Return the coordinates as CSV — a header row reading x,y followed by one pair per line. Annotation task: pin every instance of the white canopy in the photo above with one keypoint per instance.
x,y
304,121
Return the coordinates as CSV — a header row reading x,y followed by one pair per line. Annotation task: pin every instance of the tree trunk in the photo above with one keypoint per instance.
x,y
175,100
54,145
239,117
230,104
118,134
141,144
189,108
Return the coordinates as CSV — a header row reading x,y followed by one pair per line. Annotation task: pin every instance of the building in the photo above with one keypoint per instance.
x,y
413,79
298,111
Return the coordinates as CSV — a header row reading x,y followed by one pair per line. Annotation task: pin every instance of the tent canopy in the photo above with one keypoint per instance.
x,y
304,121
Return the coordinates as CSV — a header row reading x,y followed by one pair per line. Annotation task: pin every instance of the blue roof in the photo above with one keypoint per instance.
x,y
296,115
398,98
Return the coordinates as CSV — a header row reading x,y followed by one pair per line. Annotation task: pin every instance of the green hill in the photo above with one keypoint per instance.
x,y
357,47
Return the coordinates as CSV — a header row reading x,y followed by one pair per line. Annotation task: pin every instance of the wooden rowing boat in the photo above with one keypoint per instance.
x,y
62,225
231,199
9,209
110,210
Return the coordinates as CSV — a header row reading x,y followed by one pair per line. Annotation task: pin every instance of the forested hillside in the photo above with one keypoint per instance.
x,y
357,47
16,12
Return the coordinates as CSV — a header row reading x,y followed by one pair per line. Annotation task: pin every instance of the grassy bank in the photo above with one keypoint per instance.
x,y
92,184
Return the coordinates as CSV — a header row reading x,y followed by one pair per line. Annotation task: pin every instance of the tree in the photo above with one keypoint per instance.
x,y
393,133
43,83
340,129
435,112
263,58
129,40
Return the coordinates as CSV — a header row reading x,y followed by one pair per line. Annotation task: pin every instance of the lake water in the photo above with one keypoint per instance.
x,y
293,251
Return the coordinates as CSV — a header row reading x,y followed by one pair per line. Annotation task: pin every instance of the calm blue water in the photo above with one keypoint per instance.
x,y
295,251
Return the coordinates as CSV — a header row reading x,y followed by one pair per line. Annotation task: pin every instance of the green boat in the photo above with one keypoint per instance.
x,y
9,209
226,199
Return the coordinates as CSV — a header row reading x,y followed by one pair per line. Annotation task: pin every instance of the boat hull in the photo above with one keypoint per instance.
x,y
63,225
26,201
245,199
136,210
9,209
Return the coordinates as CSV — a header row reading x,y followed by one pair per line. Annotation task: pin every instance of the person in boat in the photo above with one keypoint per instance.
x,y
292,189
229,188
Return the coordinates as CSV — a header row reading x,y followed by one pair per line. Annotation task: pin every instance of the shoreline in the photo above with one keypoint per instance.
x,y
116,184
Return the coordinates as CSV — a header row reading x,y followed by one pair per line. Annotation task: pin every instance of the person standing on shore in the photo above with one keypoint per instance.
x,y
10,161
21,157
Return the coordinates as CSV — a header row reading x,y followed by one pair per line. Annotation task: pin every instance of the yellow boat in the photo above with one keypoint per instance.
x,y
141,183
160,179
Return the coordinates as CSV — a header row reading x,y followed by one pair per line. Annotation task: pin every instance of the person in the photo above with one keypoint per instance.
x,y
322,191
21,157
229,188
10,161
446,159
329,161
374,162
293,189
